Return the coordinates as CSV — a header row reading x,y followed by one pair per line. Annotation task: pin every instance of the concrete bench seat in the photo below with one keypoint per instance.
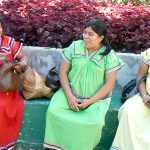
x,y
42,59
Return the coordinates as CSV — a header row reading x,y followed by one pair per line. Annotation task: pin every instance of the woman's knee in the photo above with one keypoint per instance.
x,y
132,107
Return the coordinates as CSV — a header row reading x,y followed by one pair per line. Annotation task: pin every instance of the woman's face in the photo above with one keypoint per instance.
x,y
91,38
1,30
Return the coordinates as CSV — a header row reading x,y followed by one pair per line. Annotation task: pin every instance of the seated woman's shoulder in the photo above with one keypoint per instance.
x,y
146,55
78,42
5,37
112,52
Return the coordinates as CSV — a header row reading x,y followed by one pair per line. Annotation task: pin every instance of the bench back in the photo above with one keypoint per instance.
x,y
43,58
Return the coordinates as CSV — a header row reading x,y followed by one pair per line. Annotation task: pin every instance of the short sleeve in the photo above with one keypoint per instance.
x,y
67,53
145,57
10,46
113,62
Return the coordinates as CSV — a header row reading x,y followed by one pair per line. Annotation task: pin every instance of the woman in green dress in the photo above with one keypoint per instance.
x,y
76,113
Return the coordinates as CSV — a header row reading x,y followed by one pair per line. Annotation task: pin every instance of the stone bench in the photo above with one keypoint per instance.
x,y
42,59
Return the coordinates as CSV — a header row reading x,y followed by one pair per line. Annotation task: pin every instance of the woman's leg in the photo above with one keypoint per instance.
x,y
133,131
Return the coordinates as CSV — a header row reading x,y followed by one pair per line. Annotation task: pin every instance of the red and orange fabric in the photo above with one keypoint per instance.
x,y
11,103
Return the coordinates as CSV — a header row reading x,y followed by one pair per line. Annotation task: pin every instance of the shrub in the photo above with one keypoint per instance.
x,y
56,23
137,2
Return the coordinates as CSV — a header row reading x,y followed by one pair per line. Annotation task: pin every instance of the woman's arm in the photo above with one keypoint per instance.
x,y
143,71
104,91
22,57
63,75
23,62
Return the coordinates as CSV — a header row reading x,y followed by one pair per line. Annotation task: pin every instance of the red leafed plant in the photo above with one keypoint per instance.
x,y
56,23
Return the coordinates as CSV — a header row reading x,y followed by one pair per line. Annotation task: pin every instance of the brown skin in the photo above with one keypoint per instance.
x,y
143,71
104,91
1,29
20,67
93,42
72,100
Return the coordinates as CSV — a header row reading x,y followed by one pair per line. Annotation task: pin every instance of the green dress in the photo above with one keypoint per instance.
x,y
70,130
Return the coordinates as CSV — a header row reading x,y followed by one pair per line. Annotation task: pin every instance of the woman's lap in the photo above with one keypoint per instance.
x,y
134,107
85,123
134,119
59,105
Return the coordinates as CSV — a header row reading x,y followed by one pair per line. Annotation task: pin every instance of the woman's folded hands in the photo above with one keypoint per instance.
x,y
83,104
78,104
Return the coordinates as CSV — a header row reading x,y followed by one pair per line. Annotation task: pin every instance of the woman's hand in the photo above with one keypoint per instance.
x,y
83,104
146,100
20,67
73,103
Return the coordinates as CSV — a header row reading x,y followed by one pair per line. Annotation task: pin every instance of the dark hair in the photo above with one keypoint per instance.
x,y
100,28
